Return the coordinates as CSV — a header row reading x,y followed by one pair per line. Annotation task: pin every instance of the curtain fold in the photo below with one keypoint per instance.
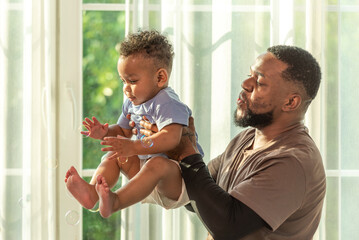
x,y
27,57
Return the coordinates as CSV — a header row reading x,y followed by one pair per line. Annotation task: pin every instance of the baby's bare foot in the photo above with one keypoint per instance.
x,y
84,192
107,197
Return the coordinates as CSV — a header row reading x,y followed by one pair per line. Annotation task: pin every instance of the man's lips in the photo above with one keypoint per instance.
x,y
241,99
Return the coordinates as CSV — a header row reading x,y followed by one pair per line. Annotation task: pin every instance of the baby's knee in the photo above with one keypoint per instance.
x,y
106,156
158,163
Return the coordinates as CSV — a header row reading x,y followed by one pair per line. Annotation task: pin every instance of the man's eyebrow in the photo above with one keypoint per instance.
x,y
256,72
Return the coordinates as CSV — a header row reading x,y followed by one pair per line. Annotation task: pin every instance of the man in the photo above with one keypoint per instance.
x,y
270,182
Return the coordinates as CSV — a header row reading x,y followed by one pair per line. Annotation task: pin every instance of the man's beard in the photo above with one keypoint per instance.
x,y
251,119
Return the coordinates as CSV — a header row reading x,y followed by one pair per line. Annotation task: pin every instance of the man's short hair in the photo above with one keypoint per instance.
x,y
302,67
150,44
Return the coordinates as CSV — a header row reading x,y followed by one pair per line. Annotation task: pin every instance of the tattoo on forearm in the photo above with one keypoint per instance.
x,y
188,134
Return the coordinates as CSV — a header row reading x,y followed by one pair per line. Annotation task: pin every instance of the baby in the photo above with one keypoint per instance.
x,y
144,65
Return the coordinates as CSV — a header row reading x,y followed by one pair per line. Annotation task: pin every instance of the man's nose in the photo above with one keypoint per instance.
x,y
247,84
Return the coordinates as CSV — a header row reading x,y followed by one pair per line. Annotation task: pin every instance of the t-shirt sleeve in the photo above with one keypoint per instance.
x,y
122,120
171,112
213,166
275,191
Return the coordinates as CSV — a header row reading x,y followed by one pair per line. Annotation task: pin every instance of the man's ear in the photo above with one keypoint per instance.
x,y
162,77
292,103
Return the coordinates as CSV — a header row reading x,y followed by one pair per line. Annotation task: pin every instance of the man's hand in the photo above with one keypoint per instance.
x,y
95,129
187,145
148,128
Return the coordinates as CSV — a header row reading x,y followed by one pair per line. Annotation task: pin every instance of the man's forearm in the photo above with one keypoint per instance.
x,y
224,216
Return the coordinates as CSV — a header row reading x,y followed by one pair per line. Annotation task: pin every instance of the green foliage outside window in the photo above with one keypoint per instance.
x,y
102,89
102,98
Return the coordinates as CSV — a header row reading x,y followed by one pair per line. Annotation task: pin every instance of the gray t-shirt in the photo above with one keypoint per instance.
x,y
283,182
164,109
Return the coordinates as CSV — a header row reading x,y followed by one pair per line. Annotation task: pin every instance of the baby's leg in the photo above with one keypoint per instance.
x,y
80,189
157,172
107,198
85,193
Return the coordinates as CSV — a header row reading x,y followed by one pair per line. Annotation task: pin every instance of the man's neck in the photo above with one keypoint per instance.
x,y
264,135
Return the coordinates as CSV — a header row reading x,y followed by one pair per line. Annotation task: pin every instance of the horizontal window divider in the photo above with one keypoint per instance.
x,y
199,8
343,8
88,172
16,172
342,173
16,6
186,8
104,7
224,8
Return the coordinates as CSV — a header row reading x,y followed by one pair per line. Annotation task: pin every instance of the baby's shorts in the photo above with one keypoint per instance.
x,y
157,198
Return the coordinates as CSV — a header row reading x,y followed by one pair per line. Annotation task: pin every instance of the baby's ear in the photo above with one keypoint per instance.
x,y
162,77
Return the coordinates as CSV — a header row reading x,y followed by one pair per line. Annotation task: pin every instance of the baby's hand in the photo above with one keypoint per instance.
x,y
95,129
121,145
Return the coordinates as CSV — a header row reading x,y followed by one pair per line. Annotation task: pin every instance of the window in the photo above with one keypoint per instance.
x,y
58,65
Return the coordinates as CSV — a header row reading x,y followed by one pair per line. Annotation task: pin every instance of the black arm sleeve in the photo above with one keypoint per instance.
x,y
224,216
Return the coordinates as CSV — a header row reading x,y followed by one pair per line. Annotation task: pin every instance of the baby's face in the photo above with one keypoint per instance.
x,y
139,77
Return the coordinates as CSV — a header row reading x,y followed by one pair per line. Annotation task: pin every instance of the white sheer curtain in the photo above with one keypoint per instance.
x,y
27,145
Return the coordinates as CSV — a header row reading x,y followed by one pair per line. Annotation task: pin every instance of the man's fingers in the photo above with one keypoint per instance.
x,y
190,130
146,132
134,131
191,123
149,126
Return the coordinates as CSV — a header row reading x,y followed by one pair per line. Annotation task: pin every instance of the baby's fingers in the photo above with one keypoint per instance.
x,y
88,122
95,121
106,149
86,133
109,139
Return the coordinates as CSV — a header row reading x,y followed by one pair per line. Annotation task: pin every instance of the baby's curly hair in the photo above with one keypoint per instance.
x,y
151,44
302,67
